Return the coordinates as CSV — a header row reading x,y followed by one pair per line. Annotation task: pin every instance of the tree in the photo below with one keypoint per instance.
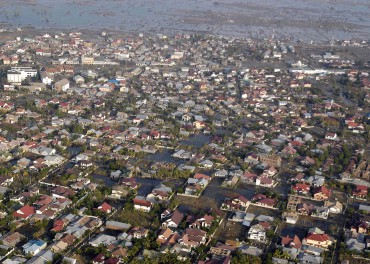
x,y
170,258
270,233
77,128
57,257
240,258
281,254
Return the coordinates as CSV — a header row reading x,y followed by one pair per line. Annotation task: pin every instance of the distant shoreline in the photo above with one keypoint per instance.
x,y
317,21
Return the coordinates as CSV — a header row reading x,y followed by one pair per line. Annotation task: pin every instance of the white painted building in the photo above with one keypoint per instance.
x,y
46,78
19,74
34,246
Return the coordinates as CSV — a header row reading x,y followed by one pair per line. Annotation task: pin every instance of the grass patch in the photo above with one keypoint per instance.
x,y
135,218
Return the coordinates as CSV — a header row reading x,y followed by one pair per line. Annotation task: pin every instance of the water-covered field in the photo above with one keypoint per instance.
x,y
297,19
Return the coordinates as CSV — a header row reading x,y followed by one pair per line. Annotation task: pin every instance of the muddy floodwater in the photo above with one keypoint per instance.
x,y
296,19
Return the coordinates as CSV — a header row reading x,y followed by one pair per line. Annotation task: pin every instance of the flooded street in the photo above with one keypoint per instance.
x,y
147,185
105,179
197,141
164,155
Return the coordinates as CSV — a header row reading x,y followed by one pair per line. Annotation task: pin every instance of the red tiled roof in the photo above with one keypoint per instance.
x,y
318,237
301,187
286,240
99,258
259,197
201,176
267,201
266,180
141,202
325,191
58,226
44,200
177,217
361,188
105,207
24,212
242,199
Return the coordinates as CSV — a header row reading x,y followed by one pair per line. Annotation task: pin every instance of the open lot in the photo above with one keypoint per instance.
x,y
231,230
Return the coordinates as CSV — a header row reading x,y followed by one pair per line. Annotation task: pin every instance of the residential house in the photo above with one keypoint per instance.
x,y
99,259
318,240
25,212
59,225
6,181
197,184
199,222
63,192
330,136
129,183
11,239
160,193
221,173
334,207
44,200
267,202
272,160
168,237
118,192
141,204
221,249
193,237
139,232
316,181
239,203
257,232
231,181
360,227
320,212
166,214
119,252
62,85
307,161
251,250
298,178
206,164
33,247
78,79
355,245
265,181
46,78
301,188
174,220
290,217
293,242
248,177
252,158
116,174
305,209
321,193
199,125
360,192
102,239
105,208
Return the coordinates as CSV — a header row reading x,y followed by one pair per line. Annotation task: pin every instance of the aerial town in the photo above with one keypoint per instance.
x,y
188,148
